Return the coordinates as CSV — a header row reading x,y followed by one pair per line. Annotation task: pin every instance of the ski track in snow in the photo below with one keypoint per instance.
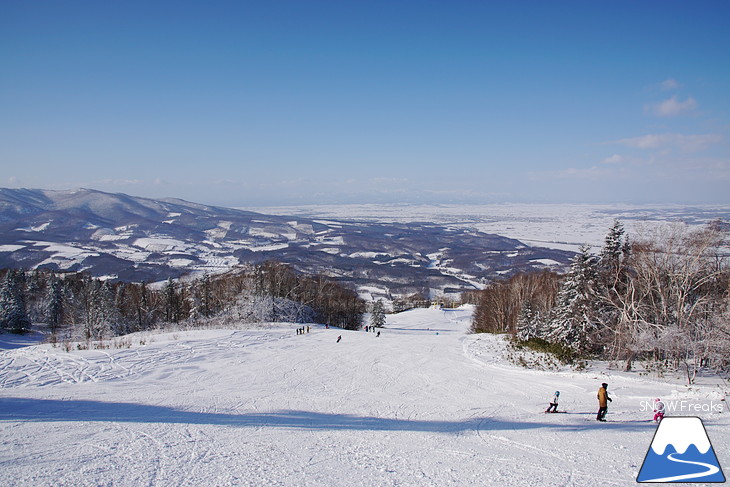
x,y
425,404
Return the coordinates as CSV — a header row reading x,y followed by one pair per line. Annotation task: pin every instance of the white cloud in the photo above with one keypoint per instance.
x,y
614,159
594,173
686,143
14,182
386,180
672,107
669,84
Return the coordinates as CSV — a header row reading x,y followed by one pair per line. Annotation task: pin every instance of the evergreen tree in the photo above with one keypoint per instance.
x,y
613,246
101,313
172,303
54,303
614,256
202,303
528,323
378,315
13,314
614,278
574,318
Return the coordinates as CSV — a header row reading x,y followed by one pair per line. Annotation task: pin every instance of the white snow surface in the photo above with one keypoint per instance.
x,y
424,404
557,226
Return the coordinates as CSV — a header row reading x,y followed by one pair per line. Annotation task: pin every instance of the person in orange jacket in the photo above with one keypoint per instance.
x,y
603,401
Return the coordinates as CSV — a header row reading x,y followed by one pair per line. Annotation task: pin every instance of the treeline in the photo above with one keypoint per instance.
x,y
664,297
80,306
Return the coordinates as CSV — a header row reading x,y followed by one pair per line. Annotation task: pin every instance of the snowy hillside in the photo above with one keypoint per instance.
x,y
116,236
424,404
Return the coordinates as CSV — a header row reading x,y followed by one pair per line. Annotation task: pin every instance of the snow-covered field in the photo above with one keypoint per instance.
x,y
424,404
557,226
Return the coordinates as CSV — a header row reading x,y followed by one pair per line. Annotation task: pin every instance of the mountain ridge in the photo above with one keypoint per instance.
x,y
131,238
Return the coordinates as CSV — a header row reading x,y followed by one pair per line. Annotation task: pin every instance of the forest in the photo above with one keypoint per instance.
x,y
76,306
661,298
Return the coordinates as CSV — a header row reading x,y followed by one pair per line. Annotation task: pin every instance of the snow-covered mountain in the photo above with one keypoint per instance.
x,y
131,238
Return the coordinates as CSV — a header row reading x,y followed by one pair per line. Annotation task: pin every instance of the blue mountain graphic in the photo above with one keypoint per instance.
x,y
672,464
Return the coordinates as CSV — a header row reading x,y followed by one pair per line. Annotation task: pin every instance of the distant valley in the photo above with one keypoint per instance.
x,y
122,237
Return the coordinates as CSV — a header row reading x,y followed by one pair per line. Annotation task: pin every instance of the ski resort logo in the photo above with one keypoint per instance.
x,y
681,452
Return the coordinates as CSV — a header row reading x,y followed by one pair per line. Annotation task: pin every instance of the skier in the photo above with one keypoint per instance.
x,y
339,338
603,401
378,334
553,407
658,410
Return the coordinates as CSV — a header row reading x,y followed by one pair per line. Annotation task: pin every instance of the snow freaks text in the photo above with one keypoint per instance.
x,y
684,407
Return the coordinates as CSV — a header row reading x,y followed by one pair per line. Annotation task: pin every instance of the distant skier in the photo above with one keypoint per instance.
x,y
658,410
378,334
603,401
553,407
339,338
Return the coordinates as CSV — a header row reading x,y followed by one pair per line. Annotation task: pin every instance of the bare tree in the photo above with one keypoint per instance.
x,y
670,305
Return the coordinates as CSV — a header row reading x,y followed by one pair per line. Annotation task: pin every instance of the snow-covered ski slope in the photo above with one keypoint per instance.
x,y
424,404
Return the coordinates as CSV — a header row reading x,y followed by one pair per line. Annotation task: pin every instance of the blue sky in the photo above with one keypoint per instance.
x,y
306,102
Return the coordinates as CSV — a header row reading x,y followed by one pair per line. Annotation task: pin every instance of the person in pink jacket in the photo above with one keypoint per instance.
x,y
658,410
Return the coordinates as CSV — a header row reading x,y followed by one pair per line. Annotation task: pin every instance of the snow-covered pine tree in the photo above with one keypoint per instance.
x,y
201,298
54,303
613,290
613,244
171,300
614,254
13,314
378,315
528,325
573,322
101,315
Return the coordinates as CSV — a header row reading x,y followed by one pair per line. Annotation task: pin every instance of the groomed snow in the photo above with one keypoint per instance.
x,y
424,404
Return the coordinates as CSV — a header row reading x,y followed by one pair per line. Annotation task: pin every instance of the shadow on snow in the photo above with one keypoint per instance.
x,y
51,410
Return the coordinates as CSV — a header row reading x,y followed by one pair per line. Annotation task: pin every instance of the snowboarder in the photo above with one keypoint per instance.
x,y
339,338
658,410
603,401
553,407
